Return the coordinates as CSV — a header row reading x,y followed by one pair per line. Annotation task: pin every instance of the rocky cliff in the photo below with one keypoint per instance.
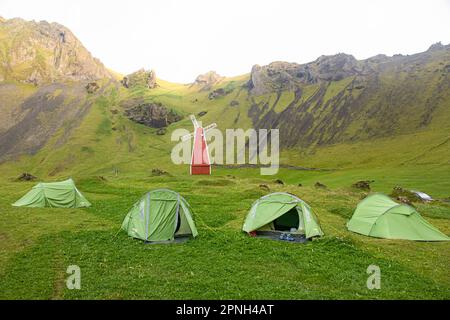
x,y
42,52
152,115
207,80
279,76
141,77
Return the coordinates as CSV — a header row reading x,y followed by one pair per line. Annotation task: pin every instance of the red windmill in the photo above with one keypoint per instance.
x,y
200,163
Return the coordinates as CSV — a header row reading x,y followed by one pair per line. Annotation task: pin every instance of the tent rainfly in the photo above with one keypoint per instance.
x,y
63,194
381,217
160,215
281,211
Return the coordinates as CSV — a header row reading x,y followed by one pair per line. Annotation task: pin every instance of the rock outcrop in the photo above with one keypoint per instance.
x,y
363,184
26,177
279,75
161,131
436,46
320,185
217,93
42,52
92,87
207,80
404,195
141,77
153,115
159,172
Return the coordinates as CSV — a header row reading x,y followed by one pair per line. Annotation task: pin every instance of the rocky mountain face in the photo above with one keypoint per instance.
x,y
279,76
42,52
340,99
141,77
207,80
150,114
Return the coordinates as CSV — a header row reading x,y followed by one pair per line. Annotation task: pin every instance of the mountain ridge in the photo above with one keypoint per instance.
x,y
281,75
42,52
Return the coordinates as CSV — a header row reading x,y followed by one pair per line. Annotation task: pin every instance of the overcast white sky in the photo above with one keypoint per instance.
x,y
181,39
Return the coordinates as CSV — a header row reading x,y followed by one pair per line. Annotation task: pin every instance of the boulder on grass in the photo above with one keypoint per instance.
x,y
161,131
320,185
363,184
401,193
26,177
404,200
158,172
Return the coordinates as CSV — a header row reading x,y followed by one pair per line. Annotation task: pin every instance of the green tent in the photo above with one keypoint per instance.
x,y
160,215
282,212
381,217
63,194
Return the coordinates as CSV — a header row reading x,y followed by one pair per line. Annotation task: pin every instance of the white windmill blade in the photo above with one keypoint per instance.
x,y
211,126
187,136
194,121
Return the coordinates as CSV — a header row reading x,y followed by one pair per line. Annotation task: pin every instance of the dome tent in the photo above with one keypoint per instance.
x,y
278,212
160,215
381,217
63,194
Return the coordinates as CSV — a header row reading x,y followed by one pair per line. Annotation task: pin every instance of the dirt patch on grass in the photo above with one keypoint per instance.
x,y
216,182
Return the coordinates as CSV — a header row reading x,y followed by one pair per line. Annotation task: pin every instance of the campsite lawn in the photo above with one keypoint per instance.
x,y
37,246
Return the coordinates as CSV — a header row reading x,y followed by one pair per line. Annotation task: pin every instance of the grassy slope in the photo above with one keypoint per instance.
x,y
12,95
39,244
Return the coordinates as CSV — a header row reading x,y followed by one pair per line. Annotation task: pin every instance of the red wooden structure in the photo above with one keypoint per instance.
x,y
200,163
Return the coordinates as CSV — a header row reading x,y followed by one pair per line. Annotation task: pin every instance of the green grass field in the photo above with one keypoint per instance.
x,y
39,244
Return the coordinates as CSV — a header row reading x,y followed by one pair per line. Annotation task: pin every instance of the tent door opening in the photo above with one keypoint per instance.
x,y
177,228
287,221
